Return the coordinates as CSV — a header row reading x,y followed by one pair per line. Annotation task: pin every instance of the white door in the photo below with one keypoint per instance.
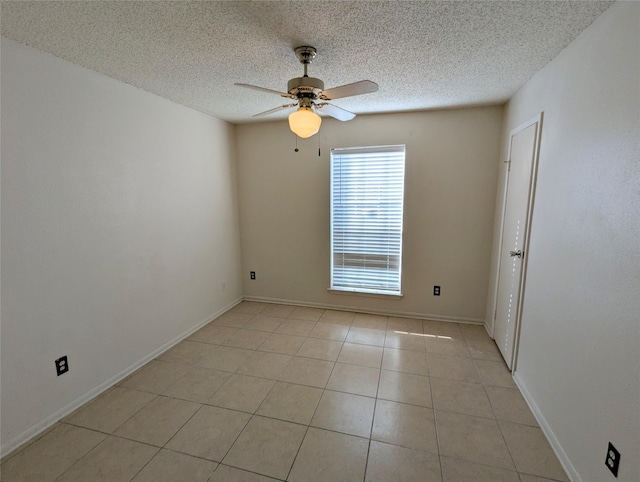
x,y
515,230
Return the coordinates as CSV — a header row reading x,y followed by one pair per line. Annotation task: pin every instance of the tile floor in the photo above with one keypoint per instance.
x,y
276,392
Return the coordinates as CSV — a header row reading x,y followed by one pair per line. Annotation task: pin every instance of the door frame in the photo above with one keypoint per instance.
x,y
527,228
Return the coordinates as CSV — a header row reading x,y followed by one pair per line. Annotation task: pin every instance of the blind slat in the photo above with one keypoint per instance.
x,y
367,193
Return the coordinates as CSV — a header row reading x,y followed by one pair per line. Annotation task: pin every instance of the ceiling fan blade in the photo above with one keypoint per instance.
x,y
275,109
270,91
357,88
336,112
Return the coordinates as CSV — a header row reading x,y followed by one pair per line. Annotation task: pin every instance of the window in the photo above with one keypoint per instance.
x,y
367,191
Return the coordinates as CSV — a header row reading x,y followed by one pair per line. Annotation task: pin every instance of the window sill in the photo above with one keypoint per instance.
x,y
367,294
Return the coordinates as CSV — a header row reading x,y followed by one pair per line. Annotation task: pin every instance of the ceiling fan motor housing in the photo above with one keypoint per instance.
x,y
305,87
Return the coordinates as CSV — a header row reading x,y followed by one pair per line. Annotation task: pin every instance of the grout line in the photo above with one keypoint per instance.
x,y
373,418
268,477
435,422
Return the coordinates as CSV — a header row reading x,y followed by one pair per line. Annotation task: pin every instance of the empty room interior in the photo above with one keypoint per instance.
x,y
320,241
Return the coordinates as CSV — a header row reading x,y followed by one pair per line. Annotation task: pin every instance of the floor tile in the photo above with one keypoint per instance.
x,y
296,327
51,455
306,313
265,365
242,392
320,349
446,346
290,402
366,320
197,385
114,460
307,371
336,316
405,425
354,379
188,351
484,350
452,367
364,355
280,311
494,373
405,388
366,336
330,456
262,322
329,331
404,340
410,325
534,478
531,452
296,398
251,307
168,466
224,358
158,421
214,334
344,412
460,397
111,409
405,361
284,344
471,438
267,447
234,319
444,329
509,405
390,462
474,332
209,433
155,376
225,473
247,339
456,470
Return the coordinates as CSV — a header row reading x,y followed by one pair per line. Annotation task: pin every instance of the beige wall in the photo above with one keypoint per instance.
x,y
119,232
579,357
451,172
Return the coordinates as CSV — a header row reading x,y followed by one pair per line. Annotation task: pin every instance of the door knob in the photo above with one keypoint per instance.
x,y
517,254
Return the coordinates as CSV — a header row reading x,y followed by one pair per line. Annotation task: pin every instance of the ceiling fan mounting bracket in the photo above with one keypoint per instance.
x,y
305,54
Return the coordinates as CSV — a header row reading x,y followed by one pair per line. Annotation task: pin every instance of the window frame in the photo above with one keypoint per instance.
x,y
343,288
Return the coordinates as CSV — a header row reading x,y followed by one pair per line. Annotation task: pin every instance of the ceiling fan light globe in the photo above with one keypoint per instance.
x,y
304,122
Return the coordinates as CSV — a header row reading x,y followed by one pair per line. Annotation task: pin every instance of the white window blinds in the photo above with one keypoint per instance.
x,y
367,192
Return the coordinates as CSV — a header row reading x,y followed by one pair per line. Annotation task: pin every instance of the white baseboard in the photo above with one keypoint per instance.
x,y
404,314
43,425
568,467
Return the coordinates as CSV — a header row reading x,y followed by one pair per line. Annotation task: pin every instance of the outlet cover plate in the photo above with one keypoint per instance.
x,y
62,365
613,460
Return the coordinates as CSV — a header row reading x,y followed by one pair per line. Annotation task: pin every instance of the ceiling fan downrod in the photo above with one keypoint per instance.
x,y
305,55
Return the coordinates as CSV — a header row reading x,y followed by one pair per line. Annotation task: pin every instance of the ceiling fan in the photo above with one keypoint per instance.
x,y
310,97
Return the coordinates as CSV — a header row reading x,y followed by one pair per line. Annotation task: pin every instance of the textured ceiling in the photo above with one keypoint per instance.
x,y
423,55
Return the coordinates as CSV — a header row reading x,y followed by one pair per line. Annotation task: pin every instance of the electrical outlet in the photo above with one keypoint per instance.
x,y
436,291
613,460
252,274
62,365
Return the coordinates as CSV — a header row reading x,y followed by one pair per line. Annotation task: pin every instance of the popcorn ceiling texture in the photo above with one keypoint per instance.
x,y
423,55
